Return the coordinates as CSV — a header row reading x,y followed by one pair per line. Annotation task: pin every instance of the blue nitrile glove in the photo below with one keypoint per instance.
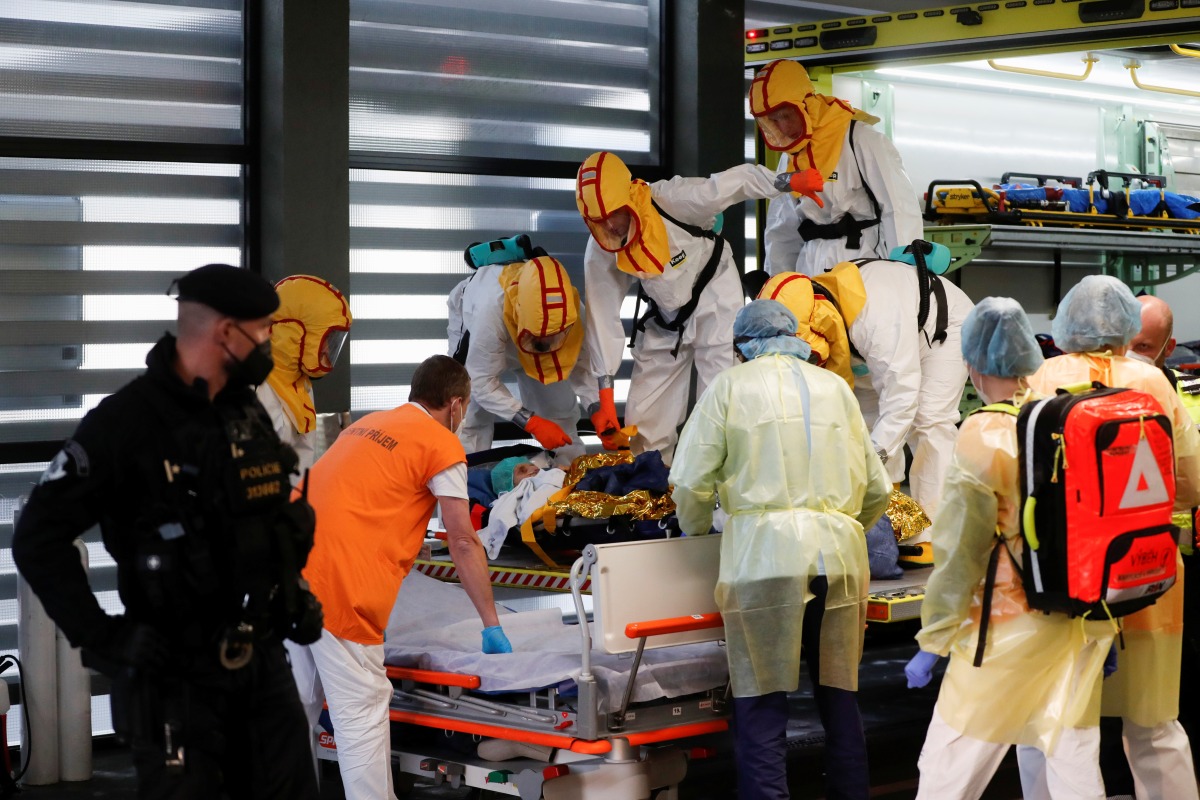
x,y
1110,661
494,641
920,669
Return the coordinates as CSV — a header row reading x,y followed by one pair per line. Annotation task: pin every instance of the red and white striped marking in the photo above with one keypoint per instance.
x,y
523,578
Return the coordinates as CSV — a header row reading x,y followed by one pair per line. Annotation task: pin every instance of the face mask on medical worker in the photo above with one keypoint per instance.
x,y
1145,357
252,369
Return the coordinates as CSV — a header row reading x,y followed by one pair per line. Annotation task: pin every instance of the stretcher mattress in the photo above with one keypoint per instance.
x,y
434,626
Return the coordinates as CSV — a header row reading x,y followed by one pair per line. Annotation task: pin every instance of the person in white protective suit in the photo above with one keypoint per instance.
x,y
1093,326
308,331
659,236
526,323
1038,681
854,200
908,374
794,574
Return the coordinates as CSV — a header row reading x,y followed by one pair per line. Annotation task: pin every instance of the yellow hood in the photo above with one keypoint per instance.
x,y
825,119
818,321
310,310
603,186
845,283
540,301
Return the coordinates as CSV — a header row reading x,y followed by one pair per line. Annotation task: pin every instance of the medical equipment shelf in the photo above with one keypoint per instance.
x,y
1139,258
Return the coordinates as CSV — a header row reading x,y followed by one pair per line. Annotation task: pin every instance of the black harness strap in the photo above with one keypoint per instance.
x,y
847,227
989,586
653,313
928,282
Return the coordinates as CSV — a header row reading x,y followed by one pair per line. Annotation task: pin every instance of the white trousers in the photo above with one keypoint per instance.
x,y
351,678
1160,759
957,767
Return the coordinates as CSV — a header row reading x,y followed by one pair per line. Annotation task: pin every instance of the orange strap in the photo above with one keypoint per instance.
x,y
549,521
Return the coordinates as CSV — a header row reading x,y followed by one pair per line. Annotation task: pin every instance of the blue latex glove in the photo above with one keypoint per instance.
x,y
494,641
919,670
1110,661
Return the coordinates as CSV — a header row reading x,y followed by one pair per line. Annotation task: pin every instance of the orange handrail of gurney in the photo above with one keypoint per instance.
x,y
431,676
585,746
659,627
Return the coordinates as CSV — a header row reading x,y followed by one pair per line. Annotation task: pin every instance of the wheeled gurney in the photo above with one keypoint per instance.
x,y
646,676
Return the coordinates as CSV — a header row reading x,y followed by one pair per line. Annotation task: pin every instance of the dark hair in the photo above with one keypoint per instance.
x,y
437,380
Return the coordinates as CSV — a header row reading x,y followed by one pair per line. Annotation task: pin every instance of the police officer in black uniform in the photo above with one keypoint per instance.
x,y
189,484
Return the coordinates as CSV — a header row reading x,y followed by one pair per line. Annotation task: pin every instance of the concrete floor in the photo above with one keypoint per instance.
x,y
895,719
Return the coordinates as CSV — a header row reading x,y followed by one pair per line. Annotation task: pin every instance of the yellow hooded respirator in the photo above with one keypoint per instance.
x,y
543,313
619,212
308,331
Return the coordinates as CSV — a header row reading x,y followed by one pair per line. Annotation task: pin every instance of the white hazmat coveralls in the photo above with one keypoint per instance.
x,y
658,390
913,388
492,357
872,158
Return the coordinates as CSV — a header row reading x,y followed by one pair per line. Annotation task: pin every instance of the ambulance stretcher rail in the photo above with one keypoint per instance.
x,y
656,627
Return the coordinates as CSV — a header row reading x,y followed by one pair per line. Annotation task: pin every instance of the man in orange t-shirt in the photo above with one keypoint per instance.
x,y
373,492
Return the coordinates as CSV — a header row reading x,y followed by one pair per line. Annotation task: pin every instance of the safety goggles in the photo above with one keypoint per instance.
x,y
540,345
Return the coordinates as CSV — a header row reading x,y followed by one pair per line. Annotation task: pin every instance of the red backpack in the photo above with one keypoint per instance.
x,y
1097,491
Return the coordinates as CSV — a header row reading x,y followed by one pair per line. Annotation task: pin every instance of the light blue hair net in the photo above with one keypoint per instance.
x,y
997,339
766,326
1099,312
502,474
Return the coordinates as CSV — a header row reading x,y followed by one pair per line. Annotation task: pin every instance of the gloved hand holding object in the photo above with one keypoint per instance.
x,y
605,420
494,641
919,669
806,183
1110,661
133,645
548,434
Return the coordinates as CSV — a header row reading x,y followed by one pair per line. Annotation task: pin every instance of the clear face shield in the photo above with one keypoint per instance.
x,y
331,348
783,127
540,345
616,231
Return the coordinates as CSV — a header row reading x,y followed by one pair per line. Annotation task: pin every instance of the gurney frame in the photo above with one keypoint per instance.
x,y
580,751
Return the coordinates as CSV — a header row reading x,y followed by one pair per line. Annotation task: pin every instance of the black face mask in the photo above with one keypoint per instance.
x,y
254,368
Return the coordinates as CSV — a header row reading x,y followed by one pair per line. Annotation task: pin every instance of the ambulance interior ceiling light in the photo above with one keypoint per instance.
x,y
925,75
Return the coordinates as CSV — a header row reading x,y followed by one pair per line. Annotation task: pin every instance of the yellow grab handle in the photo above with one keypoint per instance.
x,y
1028,524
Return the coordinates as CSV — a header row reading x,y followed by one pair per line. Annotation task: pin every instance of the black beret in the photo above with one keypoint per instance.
x,y
233,291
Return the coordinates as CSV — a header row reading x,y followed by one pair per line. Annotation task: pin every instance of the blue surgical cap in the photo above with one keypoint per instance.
x,y
998,340
502,474
766,326
1098,313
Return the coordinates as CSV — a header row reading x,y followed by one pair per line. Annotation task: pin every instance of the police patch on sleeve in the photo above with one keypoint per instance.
x,y
71,460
